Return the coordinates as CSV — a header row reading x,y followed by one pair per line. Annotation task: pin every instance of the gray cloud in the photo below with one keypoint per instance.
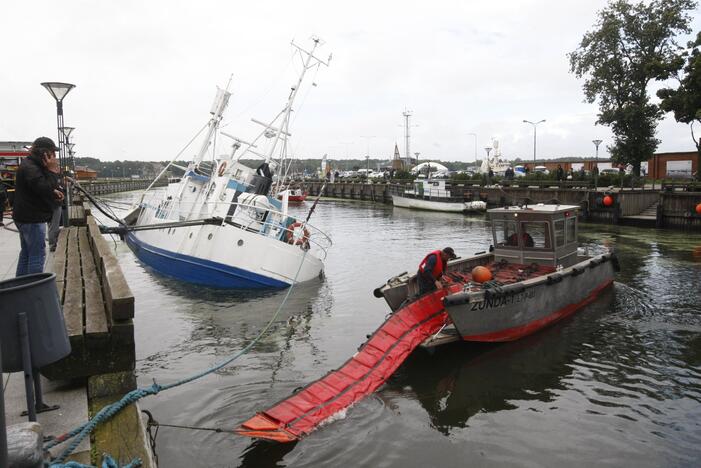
x,y
146,73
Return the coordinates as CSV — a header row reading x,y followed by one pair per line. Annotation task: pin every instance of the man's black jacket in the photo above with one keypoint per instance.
x,y
34,192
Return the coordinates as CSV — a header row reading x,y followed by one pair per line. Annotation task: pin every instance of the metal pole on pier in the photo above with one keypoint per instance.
x,y
596,164
3,430
535,125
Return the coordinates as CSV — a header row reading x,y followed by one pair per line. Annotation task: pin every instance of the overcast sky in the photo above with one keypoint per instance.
x,y
146,74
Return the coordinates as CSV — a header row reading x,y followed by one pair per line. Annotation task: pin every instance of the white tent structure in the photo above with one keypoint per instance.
x,y
435,168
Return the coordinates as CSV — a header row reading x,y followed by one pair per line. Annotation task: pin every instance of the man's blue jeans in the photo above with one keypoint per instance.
x,y
32,253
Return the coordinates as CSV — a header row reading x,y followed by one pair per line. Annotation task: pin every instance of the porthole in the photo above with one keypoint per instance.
x,y
190,236
240,242
209,237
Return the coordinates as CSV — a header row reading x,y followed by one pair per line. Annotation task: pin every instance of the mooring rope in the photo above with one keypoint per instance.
x,y
108,411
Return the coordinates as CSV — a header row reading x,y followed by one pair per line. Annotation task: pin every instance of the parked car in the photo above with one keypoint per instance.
x,y
519,171
609,171
541,170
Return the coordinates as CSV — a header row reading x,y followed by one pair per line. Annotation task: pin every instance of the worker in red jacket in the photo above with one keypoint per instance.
x,y
432,268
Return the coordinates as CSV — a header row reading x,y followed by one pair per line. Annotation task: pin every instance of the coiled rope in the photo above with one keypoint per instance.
x,y
107,412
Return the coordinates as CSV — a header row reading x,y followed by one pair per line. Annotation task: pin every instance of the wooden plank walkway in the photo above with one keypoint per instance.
x,y
98,306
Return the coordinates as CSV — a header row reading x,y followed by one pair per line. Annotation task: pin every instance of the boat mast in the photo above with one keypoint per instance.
x,y
284,128
220,102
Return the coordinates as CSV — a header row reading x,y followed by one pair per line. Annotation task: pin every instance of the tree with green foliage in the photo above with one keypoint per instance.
x,y
685,101
631,45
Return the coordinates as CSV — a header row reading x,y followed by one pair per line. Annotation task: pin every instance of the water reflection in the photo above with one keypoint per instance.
x,y
617,384
455,382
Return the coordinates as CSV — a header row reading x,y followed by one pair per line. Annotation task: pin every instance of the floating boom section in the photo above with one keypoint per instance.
x,y
385,350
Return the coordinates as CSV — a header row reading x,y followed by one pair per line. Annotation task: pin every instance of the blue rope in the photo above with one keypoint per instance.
x,y
107,462
135,395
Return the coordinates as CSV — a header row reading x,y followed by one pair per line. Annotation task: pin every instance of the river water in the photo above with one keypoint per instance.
x,y
617,384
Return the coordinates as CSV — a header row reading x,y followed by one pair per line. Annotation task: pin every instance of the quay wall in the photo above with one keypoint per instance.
x,y
678,210
102,187
675,209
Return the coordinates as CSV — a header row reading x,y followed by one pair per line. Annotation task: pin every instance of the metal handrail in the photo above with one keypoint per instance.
x,y
316,236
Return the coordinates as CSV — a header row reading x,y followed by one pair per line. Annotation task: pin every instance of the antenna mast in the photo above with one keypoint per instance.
x,y
284,127
407,114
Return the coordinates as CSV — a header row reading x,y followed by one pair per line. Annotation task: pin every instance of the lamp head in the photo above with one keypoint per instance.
x,y
58,90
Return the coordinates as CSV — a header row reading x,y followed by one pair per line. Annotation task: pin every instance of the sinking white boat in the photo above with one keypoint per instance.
x,y
436,195
221,224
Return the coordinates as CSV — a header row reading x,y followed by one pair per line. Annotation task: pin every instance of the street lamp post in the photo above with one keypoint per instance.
x,y
67,132
59,91
596,164
535,125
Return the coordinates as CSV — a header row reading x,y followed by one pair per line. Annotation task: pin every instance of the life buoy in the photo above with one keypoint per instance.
x,y
290,235
222,168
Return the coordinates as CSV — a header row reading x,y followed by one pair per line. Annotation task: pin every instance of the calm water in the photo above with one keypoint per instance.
x,y
618,384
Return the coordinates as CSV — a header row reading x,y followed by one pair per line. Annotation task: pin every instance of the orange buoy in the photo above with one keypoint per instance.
x,y
698,208
608,200
481,274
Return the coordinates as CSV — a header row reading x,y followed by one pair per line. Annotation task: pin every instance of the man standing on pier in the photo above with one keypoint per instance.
x,y
36,196
431,269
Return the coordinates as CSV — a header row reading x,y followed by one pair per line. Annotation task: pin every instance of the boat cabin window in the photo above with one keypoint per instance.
x,y
535,235
503,231
560,233
571,230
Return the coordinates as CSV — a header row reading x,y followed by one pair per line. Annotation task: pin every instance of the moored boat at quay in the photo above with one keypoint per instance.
x,y
436,195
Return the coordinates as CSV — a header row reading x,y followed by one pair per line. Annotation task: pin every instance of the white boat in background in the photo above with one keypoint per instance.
x,y
221,224
494,162
436,195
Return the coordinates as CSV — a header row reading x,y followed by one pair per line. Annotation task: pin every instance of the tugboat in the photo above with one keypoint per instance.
x,y
534,276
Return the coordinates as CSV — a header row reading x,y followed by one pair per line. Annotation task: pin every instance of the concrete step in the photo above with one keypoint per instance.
x,y
650,210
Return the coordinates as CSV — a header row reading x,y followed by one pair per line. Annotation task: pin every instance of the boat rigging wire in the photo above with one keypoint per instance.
x,y
172,161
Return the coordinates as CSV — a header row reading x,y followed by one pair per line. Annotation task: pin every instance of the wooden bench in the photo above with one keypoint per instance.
x,y
98,305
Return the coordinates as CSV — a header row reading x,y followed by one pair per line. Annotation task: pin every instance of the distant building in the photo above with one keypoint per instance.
x,y
671,165
11,154
85,173
683,164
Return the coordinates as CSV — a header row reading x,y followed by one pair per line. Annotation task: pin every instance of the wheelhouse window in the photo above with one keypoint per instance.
x,y
560,233
571,230
535,235
503,231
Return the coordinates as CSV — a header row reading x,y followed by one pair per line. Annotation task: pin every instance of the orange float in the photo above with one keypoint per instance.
x,y
698,209
608,200
481,274
297,238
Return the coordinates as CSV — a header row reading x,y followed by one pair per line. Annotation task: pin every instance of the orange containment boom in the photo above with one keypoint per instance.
x,y
298,415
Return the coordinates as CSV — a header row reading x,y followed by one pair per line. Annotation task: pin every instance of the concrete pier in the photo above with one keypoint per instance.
x,y
90,377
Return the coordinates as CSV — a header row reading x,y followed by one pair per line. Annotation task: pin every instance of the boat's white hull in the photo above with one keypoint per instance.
x,y
224,256
435,205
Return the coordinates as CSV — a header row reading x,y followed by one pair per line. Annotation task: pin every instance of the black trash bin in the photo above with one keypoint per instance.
x,y
35,295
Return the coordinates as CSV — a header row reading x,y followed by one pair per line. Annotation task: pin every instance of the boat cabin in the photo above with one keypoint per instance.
x,y
541,234
430,188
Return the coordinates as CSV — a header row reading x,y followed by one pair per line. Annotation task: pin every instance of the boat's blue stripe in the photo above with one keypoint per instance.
x,y
199,271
